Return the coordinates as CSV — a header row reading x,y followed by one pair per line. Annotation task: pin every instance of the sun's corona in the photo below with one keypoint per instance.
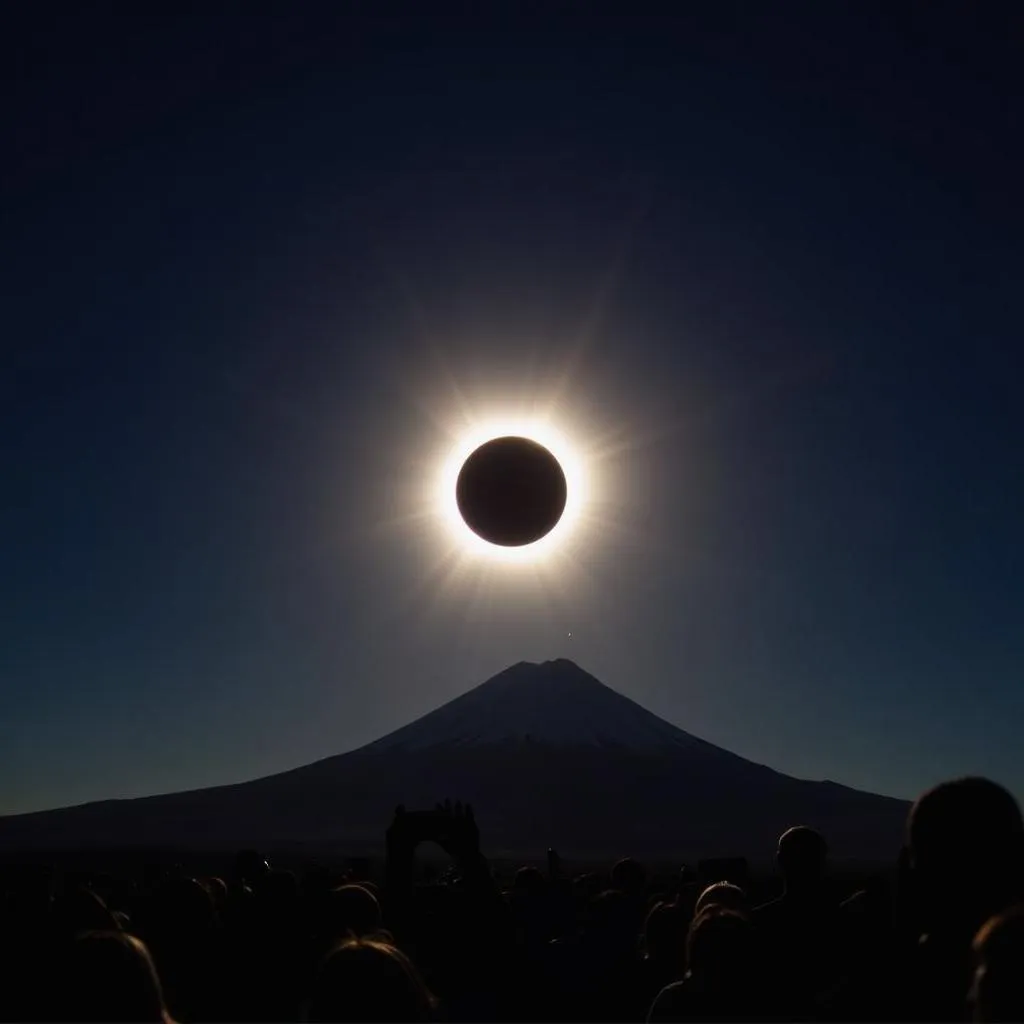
x,y
511,491
491,448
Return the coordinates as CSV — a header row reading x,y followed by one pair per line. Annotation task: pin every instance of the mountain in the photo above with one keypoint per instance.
x,y
548,755
555,703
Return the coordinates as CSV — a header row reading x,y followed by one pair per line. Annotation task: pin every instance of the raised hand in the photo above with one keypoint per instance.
x,y
456,831
399,831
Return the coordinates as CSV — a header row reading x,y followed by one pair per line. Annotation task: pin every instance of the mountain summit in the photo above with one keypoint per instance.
x,y
548,755
554,703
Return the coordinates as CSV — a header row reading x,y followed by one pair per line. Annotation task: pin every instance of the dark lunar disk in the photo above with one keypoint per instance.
x,y
511,491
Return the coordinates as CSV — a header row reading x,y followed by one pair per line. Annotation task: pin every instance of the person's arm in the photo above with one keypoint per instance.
x,y
399,866
453,827
457,833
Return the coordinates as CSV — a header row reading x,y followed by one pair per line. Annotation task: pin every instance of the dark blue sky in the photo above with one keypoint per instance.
x,y
767,256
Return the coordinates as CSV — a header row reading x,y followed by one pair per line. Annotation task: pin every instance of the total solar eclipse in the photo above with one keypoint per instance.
x,y
511,491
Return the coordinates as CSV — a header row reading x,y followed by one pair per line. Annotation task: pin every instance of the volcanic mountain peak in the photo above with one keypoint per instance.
x,y
548,756
555,703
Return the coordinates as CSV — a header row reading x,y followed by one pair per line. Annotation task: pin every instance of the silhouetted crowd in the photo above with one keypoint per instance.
x,y
942,941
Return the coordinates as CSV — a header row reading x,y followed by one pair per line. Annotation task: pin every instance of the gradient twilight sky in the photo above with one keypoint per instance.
x,y
760,263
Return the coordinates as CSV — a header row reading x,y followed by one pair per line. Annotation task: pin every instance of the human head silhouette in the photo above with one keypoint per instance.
x,y
720,946
352,909
997,993
218,890
665,932
109,976
629,876
371,981
965,839
181,908
721,894
801,858
529,880
610,924
250,866
79,909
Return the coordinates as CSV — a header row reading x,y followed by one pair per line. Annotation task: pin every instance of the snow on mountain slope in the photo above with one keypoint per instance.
x,y
555,703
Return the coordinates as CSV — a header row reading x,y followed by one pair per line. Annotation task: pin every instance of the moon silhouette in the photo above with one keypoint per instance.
x,y
511,491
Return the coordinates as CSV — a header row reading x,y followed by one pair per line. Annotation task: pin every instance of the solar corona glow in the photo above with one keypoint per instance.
x,y
512,492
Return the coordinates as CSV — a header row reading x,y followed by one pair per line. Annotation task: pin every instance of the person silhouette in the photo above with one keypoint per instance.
x,y
997,991
800,931
722,976
664,944
351,909
597,969
368,980
180,928
110,976
78,909
721,894
965,841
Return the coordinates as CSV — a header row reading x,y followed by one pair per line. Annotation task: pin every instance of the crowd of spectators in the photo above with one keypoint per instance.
x,y
943,942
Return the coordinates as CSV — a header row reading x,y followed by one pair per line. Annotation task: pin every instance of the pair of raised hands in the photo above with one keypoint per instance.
x,y
452,826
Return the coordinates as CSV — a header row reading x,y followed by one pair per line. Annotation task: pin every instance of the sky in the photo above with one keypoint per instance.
x,y
758,264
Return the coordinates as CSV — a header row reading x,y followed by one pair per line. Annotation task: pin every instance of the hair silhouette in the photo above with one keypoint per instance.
x,y
665,933
801,857
961,823
369,980
629,876
966,841
109,976
529,880
80,910
997,993
352,909
720,945
721,894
